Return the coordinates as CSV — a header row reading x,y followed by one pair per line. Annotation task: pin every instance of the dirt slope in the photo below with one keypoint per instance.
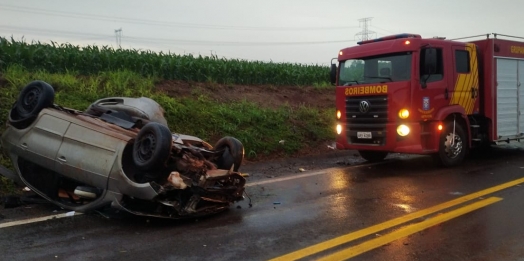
x,y
265,95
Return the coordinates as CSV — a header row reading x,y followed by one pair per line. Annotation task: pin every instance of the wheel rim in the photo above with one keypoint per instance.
x,y
30,100
453,145
146,147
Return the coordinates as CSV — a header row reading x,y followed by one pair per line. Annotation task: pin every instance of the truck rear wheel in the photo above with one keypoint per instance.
x,y
373,156
452,147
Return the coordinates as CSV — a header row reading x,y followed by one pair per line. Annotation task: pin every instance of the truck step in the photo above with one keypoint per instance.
x,y
474,126
476,139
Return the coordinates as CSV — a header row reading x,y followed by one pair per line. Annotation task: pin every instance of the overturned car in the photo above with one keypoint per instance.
x,y
119,152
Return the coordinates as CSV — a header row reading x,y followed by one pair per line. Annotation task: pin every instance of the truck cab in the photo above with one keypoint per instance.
x,y
406,94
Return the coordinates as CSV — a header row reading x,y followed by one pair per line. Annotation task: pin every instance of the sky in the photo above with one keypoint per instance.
x,y
291,31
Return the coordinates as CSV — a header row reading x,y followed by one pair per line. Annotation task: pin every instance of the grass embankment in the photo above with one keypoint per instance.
x,y
81,75
259,128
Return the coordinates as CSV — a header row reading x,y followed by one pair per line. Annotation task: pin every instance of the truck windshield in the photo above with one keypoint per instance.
x,y
376,69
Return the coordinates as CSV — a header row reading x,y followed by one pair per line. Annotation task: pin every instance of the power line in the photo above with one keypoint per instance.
x,y
38,31
382,29
168,41
76,15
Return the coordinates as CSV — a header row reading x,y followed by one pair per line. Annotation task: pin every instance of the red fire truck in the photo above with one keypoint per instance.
x,y
406,94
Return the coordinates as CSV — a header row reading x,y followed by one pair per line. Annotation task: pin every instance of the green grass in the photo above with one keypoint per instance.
x,y
259,129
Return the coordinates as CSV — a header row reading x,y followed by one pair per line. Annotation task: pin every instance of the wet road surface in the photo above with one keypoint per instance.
x,y
402,209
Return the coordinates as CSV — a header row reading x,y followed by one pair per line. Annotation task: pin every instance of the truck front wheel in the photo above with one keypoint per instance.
x,y
373,156
453,147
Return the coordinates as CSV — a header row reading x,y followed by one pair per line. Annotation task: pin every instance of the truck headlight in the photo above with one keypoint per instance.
x,y
403,114
339,128
339,114
403,130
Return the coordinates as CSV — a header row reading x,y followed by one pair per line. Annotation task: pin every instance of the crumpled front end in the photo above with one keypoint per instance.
x,y
192,186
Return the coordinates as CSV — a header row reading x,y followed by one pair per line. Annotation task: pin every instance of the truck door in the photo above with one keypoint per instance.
x,y
510,73
466,88
435,87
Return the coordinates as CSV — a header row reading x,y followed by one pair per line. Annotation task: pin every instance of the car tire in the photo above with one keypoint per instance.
x,y
33,98
373,156
233,153
452,154
152,146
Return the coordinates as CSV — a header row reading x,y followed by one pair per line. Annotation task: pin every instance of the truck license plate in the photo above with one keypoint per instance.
x,y
363,135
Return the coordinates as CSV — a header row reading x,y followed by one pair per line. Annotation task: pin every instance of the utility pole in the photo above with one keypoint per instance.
x,y
118,35
365,34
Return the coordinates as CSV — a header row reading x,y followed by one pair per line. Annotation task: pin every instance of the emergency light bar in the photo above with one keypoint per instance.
x,y
390,37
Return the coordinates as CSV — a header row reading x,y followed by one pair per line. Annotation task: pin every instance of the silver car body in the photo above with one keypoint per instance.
x,y
86,150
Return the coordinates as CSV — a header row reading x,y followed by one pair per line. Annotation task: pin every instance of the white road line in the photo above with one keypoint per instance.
x,y
287,178
33,220
305,175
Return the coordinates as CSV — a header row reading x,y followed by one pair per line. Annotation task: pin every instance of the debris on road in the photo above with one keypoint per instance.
x,y
301,169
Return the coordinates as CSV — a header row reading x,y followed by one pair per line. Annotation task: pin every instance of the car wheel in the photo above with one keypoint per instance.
x,y
233,153
373,156
34,97
152,146
452,147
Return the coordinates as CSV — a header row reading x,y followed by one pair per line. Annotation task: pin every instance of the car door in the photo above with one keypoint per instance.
x,y
87,154
41,142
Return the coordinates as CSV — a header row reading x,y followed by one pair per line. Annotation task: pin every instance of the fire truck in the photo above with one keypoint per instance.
x,y
408,94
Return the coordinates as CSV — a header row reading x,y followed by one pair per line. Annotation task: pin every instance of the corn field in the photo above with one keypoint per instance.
x,y
91,60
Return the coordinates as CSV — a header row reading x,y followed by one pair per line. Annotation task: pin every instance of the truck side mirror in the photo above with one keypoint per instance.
x,y
430,65
333,74
430,61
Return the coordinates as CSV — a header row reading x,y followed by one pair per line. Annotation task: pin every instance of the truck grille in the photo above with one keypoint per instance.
x,y
367,114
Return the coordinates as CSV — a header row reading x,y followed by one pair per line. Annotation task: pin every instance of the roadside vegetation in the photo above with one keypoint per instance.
x,y
81,75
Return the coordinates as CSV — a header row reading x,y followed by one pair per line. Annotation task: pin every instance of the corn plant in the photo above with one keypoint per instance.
x,y
91,60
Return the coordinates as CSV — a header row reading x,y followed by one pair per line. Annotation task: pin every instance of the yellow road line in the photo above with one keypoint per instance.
x,y
391,223
406,231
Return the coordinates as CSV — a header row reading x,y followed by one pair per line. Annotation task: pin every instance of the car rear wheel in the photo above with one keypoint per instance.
x,y
233,153
33,98
152,146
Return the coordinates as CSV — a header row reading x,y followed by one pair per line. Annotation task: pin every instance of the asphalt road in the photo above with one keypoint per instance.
x,y
402,209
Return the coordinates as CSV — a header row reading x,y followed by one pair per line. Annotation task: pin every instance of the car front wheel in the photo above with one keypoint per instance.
x,y
233,153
